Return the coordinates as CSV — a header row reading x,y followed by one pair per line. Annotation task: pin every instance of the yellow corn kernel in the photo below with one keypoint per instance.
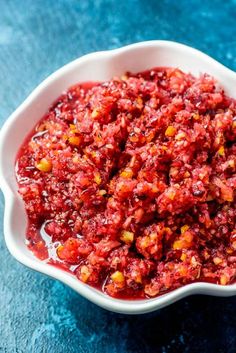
x,y
184,228
221,151
234,124
234,245
127,173
102,192
97,178
117,277
223,280
170,131
95,113
217,260
84,273
127,237
45,165
183,257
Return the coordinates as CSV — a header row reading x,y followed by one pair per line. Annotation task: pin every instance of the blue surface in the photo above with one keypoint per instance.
x,y
37,314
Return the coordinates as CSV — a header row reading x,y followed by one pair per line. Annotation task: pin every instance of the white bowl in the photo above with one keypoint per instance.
x,y
98,66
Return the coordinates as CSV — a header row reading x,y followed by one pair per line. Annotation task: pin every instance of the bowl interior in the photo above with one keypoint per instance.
x,y
93,67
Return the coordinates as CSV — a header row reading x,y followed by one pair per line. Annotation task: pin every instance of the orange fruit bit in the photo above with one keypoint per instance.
x,y
170,131
97,178
223,280
234,245
183,257
134,138
127,237
95,113
74,140
102,192
184,242
45,165
124,77
59,251
171,194
117,277
151,290
127,173
84,273
221,151
196,116
217,260
184,228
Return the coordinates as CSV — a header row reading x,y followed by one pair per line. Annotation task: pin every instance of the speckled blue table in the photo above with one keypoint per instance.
x,y
37,314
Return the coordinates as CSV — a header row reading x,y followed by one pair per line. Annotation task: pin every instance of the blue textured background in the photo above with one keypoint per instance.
x,y
38,314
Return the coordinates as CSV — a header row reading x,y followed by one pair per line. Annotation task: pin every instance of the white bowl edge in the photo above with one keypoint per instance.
x,y
103,65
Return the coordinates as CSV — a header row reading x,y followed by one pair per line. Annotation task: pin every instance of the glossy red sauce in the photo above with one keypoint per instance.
x,y
130,184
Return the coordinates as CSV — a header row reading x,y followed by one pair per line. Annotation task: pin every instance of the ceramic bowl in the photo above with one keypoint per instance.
x,y
97,66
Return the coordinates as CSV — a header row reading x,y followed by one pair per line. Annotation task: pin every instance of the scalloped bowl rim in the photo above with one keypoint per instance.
x,y
22,254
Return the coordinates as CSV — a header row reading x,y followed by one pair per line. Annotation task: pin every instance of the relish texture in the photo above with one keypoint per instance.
x,y
131,184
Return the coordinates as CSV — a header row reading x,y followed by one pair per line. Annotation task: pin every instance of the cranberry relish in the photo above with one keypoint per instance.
x,y
130,184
